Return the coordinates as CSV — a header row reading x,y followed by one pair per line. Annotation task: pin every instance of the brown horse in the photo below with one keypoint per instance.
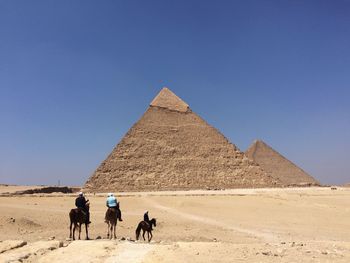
x,y
78,217
111,218
145,227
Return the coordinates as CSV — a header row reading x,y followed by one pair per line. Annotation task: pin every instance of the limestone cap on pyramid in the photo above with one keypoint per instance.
x,y
167,99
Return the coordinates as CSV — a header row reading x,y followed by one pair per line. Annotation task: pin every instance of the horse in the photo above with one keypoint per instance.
x,y
78,217
145,227
111,218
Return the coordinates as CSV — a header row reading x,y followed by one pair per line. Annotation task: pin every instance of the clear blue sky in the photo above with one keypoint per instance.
x,y
75,75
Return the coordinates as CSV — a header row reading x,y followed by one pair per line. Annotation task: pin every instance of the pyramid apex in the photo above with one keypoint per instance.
x,y
260,141
255,143
167,99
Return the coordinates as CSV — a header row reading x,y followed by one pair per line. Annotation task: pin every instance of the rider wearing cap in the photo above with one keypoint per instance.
x,y
111,202
80,202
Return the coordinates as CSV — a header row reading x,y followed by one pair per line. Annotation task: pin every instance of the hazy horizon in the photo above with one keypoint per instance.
x,y
75,76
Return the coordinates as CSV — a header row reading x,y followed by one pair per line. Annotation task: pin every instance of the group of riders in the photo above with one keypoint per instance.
x,y
82,203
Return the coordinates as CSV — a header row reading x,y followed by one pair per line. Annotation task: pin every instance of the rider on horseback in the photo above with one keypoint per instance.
x,y
112,203
146,226
146,219
80,202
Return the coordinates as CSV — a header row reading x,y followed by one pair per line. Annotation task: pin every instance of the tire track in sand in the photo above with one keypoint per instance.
x,y
253,233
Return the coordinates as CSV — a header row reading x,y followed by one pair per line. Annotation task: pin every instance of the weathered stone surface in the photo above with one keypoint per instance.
x,y
278,166
171,149
168,100
29,252
11,244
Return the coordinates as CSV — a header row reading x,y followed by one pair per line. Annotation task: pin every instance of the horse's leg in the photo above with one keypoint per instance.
x,y
115,226
113,234
79,230
143,234
111,229
108,229
86,231
70,229
150,232
75,226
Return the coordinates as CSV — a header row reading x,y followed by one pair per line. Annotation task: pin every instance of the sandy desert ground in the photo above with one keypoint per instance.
x,y
241,225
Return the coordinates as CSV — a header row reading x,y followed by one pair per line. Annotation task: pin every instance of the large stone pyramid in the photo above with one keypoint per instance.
x,y
278,166
172,148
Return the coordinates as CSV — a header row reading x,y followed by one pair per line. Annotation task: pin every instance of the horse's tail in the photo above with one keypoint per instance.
x,y
138,230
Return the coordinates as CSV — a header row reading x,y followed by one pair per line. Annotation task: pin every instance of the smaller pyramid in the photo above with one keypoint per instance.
x,y
277,166
168,100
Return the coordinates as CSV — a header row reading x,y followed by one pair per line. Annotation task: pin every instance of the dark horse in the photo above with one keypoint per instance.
x,y
78,217
111,218
145,227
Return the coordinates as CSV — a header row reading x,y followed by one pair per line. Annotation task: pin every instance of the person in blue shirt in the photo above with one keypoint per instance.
x,y
112,202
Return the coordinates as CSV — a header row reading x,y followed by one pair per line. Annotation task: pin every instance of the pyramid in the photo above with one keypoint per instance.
x,y
172,148
278,166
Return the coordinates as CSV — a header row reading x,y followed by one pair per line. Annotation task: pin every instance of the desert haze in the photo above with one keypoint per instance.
x,y
241,225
